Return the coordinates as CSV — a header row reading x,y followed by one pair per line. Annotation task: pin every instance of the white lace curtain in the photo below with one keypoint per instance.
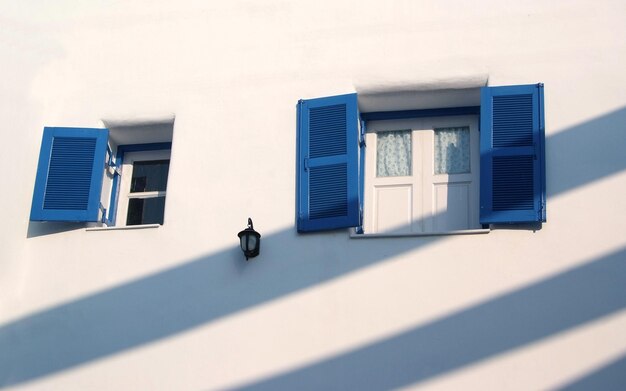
x,y
452,150
451,153
393,153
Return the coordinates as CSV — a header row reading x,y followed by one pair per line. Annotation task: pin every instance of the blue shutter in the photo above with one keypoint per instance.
x,y
512,161
328,163
69,175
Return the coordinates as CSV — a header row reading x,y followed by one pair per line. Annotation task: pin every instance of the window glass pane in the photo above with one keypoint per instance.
x,y
393,153
452,150
145,211
149,176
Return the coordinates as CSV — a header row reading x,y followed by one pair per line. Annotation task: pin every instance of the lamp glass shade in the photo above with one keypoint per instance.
x,y
250,241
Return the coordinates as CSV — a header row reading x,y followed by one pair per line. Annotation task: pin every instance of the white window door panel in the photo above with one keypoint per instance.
x,y
451,207
424,201
394,210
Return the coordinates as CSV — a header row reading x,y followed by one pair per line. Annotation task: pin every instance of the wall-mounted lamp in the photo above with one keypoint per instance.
x,y
250,241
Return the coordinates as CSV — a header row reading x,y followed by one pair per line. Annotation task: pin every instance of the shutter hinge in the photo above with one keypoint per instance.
x,y
110,163
109,160
362,135
104,218
306,164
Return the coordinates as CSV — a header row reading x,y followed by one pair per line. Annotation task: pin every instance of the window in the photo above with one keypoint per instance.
x,y
438,186
421,179
143,187
81,171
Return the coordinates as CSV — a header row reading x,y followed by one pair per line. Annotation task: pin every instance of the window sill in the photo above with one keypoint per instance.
x,y
129,227
354,235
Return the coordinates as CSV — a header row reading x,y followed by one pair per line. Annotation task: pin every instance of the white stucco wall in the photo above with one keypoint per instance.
x,y
177,307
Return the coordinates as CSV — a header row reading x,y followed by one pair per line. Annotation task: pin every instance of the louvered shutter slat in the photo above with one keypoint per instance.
x,y
69,175
328,163
512,168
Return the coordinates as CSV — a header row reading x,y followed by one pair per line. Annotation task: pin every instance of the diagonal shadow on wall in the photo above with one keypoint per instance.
x,y
202,290
512,320
586,153
611,377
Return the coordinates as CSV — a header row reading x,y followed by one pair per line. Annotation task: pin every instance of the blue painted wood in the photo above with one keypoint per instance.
x,y
328,163
542,152
404,114
363,146
69,174
512,164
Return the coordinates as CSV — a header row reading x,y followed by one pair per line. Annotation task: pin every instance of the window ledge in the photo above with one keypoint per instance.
x,y
128,227
354,235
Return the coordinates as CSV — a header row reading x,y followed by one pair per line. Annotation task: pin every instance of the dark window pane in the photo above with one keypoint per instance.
x,y
149,176
145,211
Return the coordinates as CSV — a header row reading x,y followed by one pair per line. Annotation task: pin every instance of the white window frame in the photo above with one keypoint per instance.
x,y
126,178
421,213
